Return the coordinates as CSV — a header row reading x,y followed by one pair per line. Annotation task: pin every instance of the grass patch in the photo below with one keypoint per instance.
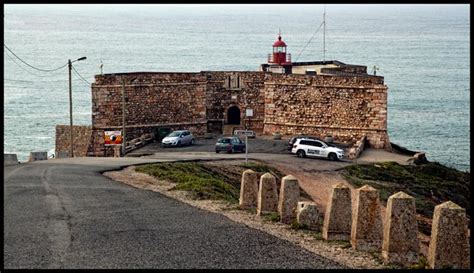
x,y
272,217
201,181
207,181
421,264
430,184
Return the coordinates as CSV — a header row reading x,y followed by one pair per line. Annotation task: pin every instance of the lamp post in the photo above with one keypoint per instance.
x,y
69,64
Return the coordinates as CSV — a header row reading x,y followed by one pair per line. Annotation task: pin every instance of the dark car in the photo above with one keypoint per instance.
x,y
230,145
293,140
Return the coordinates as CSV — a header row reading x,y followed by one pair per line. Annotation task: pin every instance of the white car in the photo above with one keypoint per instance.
x,y
178,138
314,148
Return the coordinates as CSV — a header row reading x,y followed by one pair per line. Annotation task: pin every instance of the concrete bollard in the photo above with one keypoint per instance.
x,y
400,235
366,232
308,215
34,156
248,190
267,195
62,154
10,159
337,219
288,199
449,244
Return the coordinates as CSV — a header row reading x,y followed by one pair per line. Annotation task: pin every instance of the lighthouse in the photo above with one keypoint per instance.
x,y
279,61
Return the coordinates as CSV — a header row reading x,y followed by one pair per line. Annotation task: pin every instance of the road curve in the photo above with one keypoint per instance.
x,y
67,215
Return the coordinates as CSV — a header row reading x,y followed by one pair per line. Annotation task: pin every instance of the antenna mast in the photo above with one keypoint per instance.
x,y
324,34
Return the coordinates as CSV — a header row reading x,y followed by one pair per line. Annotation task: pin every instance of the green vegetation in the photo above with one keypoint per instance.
x,y
201,181
421,264
272,217
206,181
430,184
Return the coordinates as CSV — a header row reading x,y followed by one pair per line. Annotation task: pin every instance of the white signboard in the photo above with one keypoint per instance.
x,y
249,112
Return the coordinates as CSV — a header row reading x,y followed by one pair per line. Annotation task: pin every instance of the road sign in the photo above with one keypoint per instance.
x,y
249,112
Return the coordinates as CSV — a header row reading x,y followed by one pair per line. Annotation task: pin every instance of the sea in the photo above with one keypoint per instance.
x,y
422,51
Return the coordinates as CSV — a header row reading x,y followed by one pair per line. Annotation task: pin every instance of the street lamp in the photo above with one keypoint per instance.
x,y
69,64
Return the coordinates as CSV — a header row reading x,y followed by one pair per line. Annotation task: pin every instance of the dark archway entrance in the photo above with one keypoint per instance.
x,y
233,115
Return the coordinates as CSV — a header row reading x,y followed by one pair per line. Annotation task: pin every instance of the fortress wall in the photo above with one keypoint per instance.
x,y
222,94
345,107
153,100
81,139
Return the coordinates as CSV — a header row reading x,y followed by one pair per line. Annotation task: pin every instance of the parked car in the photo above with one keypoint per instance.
x,y
230,145
178,139
293,140
304,147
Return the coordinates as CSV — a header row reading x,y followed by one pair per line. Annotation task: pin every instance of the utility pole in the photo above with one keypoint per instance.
x,y
324,34
69,64
123,116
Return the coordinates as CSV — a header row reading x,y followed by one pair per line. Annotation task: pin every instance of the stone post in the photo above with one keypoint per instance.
x,y
248,190
288,200
337,219
449,244
267,195
366,232
400,235
308,215
117,149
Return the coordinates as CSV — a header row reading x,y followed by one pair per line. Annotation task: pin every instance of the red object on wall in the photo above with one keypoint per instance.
x,y
279,55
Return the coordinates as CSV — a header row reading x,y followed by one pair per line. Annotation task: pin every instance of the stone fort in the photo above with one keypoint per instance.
x,y
319,98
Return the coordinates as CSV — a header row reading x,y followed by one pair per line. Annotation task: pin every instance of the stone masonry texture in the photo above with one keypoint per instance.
x,y
308,215
267,195
400,237
337,219
346,107
82,141
366,232
288,200
449,244
248,190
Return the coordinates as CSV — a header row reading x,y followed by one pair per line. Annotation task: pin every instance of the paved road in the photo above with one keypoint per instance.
x,y
65,214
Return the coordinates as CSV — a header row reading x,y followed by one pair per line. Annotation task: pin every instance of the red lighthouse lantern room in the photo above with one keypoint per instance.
x,y
279,55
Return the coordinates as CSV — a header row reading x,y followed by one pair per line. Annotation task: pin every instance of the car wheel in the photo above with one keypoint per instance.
x,y
301,153
332,156
179,144
217,151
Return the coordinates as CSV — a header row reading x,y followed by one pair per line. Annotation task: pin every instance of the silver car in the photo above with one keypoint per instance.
x,y
178,139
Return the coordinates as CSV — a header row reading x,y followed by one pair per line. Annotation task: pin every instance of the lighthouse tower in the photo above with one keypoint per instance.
x,y
279,61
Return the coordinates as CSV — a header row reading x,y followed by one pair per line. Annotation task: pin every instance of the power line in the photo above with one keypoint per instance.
x,y
30,72
310,39
80,76
39,69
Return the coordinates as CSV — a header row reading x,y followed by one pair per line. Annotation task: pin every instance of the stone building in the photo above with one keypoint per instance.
x,y
317,98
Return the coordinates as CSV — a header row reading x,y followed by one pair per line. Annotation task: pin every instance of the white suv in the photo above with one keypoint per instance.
x,y
314,148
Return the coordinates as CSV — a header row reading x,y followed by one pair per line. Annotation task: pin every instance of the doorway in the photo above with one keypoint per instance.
x,y
233,115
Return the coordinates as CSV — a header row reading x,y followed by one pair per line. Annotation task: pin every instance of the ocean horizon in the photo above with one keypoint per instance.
x,y
422,51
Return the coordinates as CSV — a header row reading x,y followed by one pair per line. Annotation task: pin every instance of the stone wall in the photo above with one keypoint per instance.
x,y
345,107
81,139
152,100
223,92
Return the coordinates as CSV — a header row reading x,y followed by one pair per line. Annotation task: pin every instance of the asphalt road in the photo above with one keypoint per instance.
x,y
65,214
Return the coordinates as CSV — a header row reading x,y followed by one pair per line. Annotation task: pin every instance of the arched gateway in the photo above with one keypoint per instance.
x,y
233,115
